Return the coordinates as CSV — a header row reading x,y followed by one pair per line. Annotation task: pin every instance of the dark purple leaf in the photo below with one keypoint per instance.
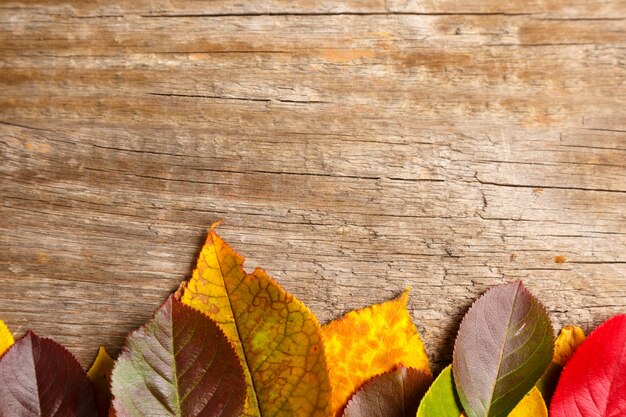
x,y
40,378
396,393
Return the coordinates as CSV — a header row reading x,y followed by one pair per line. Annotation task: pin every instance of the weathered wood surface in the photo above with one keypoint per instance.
x,y
354,148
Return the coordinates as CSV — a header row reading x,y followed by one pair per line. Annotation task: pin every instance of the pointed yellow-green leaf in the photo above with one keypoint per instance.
x,y
277,337
6,338
441,400
100,376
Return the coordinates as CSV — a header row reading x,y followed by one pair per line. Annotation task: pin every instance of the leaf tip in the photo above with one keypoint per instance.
x,y
215,224
403,298
178,294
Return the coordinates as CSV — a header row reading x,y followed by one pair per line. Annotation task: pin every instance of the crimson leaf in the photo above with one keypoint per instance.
x,y
40,378
504,345
593,383
178,364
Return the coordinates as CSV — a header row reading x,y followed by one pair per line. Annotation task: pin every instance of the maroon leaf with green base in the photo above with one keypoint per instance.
x,y
396,393
504,345
178,364
40,378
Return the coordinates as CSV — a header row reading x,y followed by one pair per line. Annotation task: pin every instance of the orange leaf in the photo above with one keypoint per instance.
x,y
6,338
368,342
569,340
277,338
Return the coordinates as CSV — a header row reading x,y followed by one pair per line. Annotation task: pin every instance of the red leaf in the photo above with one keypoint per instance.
x,y
593,383
40,378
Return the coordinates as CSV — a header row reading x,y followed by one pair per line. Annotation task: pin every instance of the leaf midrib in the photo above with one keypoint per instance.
x,y
230,305
508,324
179,411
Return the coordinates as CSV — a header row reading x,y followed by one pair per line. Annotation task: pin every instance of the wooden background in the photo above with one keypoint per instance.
x,y
353,147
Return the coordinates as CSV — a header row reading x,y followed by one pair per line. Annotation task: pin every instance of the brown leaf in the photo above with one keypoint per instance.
x,y
396,393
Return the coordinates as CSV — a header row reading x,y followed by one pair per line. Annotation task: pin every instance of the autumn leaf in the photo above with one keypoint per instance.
x,y
40,378
396,393
277,338
532,405
178,364
593,383
441,400
100,376
6,338
570,339
504,345
370,341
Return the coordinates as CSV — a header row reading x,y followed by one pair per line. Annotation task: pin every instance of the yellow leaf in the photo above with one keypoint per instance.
x,y
100,375
531,406
570,338
100,371
368,342
277,338
6,338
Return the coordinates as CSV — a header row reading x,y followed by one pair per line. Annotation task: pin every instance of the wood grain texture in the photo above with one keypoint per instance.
x,y
353,147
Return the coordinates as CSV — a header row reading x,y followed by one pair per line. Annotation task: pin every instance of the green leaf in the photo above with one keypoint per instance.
x,y
178,364
441,400
504,345
396,393
40,378
549,380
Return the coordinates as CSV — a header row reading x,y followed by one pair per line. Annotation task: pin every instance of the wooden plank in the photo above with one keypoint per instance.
x,y
354,149
555,8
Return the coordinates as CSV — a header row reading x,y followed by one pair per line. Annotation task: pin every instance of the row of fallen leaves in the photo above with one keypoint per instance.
x,y
229,343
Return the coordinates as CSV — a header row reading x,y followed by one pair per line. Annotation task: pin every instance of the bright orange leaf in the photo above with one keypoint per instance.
x,y
277,338
6,338
368,342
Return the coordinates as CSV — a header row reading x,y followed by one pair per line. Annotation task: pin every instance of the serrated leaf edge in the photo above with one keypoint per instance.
x,y
533,298
126,349
375,377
